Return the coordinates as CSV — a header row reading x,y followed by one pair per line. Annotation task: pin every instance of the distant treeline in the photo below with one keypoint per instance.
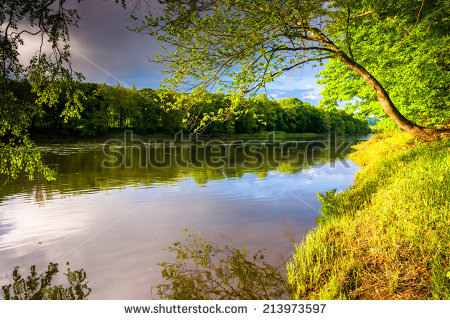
x,y
107,109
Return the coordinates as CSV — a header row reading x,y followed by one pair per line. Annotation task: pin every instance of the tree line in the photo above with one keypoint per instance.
x,y
110,109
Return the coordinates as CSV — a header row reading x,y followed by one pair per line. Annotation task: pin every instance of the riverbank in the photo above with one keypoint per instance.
x,y
387,237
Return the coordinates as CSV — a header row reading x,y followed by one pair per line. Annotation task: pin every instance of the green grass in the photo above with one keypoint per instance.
x,y
388,236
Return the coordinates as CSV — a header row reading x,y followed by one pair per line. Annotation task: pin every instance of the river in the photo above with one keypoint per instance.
x,y
116,204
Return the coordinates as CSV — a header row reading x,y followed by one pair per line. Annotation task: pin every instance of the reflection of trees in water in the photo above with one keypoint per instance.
x,y
39,286
202,270
82,171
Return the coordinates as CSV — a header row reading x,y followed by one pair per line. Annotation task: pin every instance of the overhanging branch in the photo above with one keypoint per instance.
x,y
305,61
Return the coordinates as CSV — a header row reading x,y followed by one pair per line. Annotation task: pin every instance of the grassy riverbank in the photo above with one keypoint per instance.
x,y
388,236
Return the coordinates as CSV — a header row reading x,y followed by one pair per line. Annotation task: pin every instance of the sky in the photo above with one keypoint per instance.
x,y
106,52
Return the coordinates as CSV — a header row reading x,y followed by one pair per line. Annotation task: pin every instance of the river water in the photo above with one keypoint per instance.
x,y
116,204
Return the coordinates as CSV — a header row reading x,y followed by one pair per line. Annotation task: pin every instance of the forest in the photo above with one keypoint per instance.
x,y
108,109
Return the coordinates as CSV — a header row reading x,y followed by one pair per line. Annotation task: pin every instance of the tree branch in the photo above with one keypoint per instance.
x,y
307,60
301,49
361,15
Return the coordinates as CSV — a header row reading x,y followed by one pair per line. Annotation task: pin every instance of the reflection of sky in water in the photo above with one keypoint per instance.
x,y
117,234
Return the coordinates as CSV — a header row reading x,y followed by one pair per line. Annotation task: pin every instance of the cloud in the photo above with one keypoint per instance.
x,y
105,51
313,94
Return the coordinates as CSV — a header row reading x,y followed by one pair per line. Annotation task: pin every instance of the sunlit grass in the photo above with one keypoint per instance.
x,y
388,236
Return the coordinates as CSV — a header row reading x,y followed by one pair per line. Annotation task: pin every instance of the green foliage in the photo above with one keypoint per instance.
x,y
406,48
39,286
329,205
29,87
202,270
22,155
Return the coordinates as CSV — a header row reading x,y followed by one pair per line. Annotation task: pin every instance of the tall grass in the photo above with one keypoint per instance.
x,y
388,236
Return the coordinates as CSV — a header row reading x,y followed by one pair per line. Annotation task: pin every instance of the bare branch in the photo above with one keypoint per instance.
x,y
361,15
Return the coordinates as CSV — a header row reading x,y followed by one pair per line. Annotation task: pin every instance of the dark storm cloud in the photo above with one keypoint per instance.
x,y
105,51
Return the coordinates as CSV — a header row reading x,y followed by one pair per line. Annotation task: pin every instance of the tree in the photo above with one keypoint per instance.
x,y
239,46
413,66
48,74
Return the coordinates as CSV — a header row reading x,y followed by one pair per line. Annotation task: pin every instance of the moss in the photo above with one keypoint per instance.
x,y
386,237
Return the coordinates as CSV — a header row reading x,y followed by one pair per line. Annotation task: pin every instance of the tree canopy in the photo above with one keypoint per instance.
x,y
239,46
410,56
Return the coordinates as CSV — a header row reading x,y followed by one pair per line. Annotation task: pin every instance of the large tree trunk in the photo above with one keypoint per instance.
x,y
386,102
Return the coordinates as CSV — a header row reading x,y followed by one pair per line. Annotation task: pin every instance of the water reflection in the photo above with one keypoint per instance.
x,y
111,220
206,271
40,287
